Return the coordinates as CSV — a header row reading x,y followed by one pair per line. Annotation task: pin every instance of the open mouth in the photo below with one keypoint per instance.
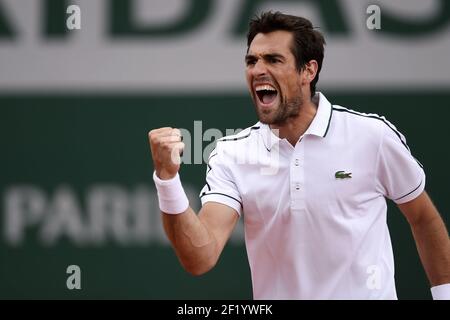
x,y
266,93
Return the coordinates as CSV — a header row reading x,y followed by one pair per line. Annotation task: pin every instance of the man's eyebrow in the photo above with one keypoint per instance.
x,y
249,57
266,56
273,55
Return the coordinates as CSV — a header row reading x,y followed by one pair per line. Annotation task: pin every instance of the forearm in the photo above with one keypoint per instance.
x,y
433,245
197,239
194,244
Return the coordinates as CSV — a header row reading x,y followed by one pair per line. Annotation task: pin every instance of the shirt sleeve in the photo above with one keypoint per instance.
x,y
219,186
400,176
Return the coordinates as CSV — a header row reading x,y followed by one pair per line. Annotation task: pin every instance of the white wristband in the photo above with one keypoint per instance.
x,y
441,292
171,196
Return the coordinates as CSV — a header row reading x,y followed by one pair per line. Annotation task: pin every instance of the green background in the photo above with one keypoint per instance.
x,y
81,140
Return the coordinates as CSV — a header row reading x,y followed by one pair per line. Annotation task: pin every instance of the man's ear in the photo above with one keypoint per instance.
x,y
310,71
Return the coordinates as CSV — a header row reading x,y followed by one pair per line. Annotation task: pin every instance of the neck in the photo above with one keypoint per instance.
x,y
293,128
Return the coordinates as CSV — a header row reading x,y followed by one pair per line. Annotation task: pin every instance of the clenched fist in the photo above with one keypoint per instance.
x,y
166,147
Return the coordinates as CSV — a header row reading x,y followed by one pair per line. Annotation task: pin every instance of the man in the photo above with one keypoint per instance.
x,y
312,179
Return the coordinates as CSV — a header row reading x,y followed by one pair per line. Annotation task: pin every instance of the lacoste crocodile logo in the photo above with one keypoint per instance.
x,y
342,175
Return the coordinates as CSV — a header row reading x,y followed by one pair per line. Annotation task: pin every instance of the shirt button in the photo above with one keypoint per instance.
x,y
297,162
297,186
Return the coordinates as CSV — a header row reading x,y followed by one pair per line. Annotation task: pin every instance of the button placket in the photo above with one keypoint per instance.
x,y
297,178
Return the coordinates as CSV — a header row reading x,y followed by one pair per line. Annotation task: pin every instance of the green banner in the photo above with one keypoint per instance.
x,y
76,189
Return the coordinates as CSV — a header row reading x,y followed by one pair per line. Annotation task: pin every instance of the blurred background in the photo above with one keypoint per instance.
x,y
76,105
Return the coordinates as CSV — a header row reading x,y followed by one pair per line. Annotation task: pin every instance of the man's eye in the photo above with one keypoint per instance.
x,y
250,62
274,60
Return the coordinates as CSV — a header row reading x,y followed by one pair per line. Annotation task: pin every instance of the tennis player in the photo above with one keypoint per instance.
x,y
315,223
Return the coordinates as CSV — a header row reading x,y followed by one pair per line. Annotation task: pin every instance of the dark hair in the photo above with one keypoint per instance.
x,y
308,43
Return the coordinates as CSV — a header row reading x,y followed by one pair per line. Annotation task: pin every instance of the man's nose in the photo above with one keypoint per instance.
x,y
259,68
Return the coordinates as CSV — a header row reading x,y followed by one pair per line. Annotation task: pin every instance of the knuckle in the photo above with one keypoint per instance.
x,y
166,147
176,132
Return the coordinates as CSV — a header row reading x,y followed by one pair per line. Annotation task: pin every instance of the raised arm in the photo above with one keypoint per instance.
x,y
198,240
432,240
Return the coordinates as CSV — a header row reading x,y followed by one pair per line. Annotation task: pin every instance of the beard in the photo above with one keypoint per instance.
x,y
287,109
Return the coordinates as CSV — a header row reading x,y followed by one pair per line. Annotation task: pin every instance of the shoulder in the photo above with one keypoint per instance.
x,y
368,125
361,122
247,133
239,140
235,145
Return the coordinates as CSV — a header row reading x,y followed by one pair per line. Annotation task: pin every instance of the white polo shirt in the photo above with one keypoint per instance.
x,y
315,214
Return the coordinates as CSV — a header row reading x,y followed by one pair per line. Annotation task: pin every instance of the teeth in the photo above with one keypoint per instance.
x,y
265,87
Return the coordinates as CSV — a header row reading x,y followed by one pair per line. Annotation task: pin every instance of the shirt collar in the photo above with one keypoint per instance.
x,y
321,122
318,127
